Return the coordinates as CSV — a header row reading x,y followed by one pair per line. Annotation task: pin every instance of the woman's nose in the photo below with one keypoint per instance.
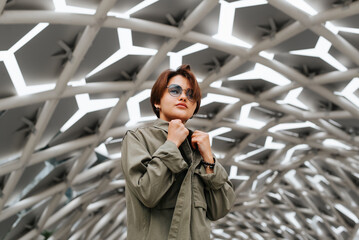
x,y
183,95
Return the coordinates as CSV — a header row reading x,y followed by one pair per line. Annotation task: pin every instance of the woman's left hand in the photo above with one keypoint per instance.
x,y
200,141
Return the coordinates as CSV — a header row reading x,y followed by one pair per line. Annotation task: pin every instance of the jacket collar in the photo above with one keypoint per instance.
x,y
161,124
185,148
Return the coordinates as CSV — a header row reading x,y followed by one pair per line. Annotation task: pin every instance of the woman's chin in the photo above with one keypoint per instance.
x,y
183,116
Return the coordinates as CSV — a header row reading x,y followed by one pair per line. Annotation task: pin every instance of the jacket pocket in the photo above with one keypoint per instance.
x,y
200,204
198,193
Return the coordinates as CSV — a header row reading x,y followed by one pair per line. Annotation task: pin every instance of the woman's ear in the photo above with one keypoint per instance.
x,y
157,106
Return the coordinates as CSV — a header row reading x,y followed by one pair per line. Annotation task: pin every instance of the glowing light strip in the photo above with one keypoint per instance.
x,y
226,17
133,107
100,104
217,84
323,45
254,185
124,37
85,106
262,72
175,60
249,154
28,36
314,221
140,6
349,30
244,117
339,230
276,220
248,3
347,212
142,51
212,97
102,149
290,176
232,40
321,51
176,57
290,152
74,118
316,180
331,27
336,144
126,48
76,83
310,166
3,55
269,144
17,78
233,174
287,126
292,99
348,91
220,232
108,62
61,6
266,172
217,132
225,25
38,88
14,72
267,55
275,195
302,5
192,49
291,218
13,68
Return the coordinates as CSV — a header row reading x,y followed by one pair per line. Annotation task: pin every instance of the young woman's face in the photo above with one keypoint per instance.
x,y
177,107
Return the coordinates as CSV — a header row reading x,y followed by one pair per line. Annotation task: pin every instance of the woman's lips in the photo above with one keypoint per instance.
x,y
181,105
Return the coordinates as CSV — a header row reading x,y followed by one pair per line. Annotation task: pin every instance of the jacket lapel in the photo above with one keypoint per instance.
x,y
180,225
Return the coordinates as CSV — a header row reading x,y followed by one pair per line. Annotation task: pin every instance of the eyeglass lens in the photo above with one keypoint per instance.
x,y
176,90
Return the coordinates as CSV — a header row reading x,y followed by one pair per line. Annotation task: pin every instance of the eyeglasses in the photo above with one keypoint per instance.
x,y
176,90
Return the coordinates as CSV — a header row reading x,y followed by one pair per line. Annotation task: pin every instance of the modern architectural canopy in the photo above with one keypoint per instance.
x,y
280,86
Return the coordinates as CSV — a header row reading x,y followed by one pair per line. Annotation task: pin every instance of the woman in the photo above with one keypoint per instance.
x,y
174,185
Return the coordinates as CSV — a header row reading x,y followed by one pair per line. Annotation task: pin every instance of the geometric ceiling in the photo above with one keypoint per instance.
x,y
280,87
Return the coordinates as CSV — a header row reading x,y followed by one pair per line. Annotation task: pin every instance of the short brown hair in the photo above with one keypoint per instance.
x,y
161,84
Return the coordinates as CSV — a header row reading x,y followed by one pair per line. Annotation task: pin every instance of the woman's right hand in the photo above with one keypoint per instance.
x,y
177,132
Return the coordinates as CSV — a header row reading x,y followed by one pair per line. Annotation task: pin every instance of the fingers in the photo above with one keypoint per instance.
x,y
178,126
177,132
199,135
177,122
200,138
194,142
202,143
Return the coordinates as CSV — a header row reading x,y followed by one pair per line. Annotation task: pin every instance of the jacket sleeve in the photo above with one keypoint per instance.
x,y
149,177
219,192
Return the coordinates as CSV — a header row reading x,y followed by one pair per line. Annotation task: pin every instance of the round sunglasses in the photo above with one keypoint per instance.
x,y
176,90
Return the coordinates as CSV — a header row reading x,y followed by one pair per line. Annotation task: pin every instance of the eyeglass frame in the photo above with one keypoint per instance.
x,y
189,91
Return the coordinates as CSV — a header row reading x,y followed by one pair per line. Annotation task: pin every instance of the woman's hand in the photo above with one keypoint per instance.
x,y
177,132
200,140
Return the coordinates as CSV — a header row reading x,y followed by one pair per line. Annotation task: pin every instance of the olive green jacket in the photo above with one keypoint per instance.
x,y
168,193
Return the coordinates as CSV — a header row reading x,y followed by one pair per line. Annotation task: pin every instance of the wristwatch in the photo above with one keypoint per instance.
x,y
208,165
